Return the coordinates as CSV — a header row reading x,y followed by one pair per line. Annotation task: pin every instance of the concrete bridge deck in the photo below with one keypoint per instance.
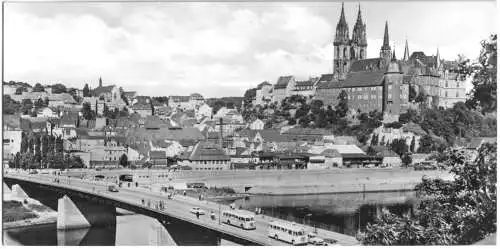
x,y
178,207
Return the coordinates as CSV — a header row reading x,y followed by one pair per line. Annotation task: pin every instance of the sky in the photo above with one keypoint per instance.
x,y
218,49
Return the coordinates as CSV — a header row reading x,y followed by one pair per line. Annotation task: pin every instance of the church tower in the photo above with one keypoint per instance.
x,y
100,82
406,56
358,42
385,50
341,48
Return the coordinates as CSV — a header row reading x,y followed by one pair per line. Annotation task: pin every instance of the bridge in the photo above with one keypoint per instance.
x,y
83,203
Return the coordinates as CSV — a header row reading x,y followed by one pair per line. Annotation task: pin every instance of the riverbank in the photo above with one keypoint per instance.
x,y
17,214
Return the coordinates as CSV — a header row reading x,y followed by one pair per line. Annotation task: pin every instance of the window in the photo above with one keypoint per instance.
x,y
446,94
389,96
389,87
458,94
458,85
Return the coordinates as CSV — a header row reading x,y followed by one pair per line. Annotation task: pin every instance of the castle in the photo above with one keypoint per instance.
x,y
381,84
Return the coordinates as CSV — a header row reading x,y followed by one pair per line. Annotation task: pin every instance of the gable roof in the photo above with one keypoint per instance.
x,y
157,154
103,89
326,78
362,79
282,82
207,151
373,64
265,83
179,98
304,83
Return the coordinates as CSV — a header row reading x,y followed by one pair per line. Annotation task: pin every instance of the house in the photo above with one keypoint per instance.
x,y
206,156
48,112
283,88
158,158
129,96
333,159
263,94
305,88
257,125
143,110
476,142
390,158
203,110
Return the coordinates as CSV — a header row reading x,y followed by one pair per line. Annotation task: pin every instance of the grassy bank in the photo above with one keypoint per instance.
x,y
15,211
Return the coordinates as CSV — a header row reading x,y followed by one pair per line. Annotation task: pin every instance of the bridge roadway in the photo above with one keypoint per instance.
x,y
178,207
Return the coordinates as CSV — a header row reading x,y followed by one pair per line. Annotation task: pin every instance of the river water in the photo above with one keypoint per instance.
x,y
343,213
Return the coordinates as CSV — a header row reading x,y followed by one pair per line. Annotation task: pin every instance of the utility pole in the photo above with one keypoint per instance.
x,y
219,214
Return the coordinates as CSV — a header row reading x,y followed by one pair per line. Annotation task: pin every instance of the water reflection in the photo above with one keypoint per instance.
x,y
343,213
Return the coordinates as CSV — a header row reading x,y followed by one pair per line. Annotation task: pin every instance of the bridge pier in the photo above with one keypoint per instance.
x,y
83,214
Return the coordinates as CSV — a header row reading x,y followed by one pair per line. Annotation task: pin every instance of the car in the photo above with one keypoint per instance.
x,y
198,210
313,239
112,188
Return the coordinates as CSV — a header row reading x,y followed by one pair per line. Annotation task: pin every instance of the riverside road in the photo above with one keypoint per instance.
x,y
178,207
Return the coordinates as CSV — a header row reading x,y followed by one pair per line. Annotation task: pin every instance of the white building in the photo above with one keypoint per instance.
x,y
263,94
203,110
257,125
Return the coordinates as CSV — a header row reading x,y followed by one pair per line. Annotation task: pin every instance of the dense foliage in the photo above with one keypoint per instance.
x,y
484,77
10,106
458,212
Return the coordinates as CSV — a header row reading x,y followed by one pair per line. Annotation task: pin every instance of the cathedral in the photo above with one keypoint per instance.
x,y
380,84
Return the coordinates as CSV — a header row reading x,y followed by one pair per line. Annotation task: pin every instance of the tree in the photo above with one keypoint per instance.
x,y
406,159
87,112
484,77
59,88
38,88
412,145
249,96
39,103
452,212
123,160
10,106
371,151
86,91
27,106
399,146
20,90
342,107
316,106
374,141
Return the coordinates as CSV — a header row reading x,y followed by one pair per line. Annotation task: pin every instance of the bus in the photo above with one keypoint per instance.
x,y
242,219
288,232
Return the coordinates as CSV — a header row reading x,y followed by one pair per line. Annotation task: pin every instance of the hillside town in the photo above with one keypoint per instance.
x,y
368,112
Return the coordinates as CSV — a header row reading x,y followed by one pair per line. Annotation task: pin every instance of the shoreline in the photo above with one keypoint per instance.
x,y
29,223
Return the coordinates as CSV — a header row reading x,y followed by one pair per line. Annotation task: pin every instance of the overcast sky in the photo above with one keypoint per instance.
x,y
218,49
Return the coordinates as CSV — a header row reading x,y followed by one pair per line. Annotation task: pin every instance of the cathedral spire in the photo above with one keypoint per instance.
x,y
394,54
385,50
342,31
100,81
386,36
406,56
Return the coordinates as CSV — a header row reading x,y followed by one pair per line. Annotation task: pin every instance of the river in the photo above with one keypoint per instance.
x,y
344,213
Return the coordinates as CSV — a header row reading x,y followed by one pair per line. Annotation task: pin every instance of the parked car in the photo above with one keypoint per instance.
x,y
198,210
425,166
313,239
112,188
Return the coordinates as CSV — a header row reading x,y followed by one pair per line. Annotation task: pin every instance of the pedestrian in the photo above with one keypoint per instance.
x,y
197,215
142,201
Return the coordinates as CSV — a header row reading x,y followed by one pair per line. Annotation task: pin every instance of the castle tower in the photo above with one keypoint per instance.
x,y
406,56
385,50
358,42
341,48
